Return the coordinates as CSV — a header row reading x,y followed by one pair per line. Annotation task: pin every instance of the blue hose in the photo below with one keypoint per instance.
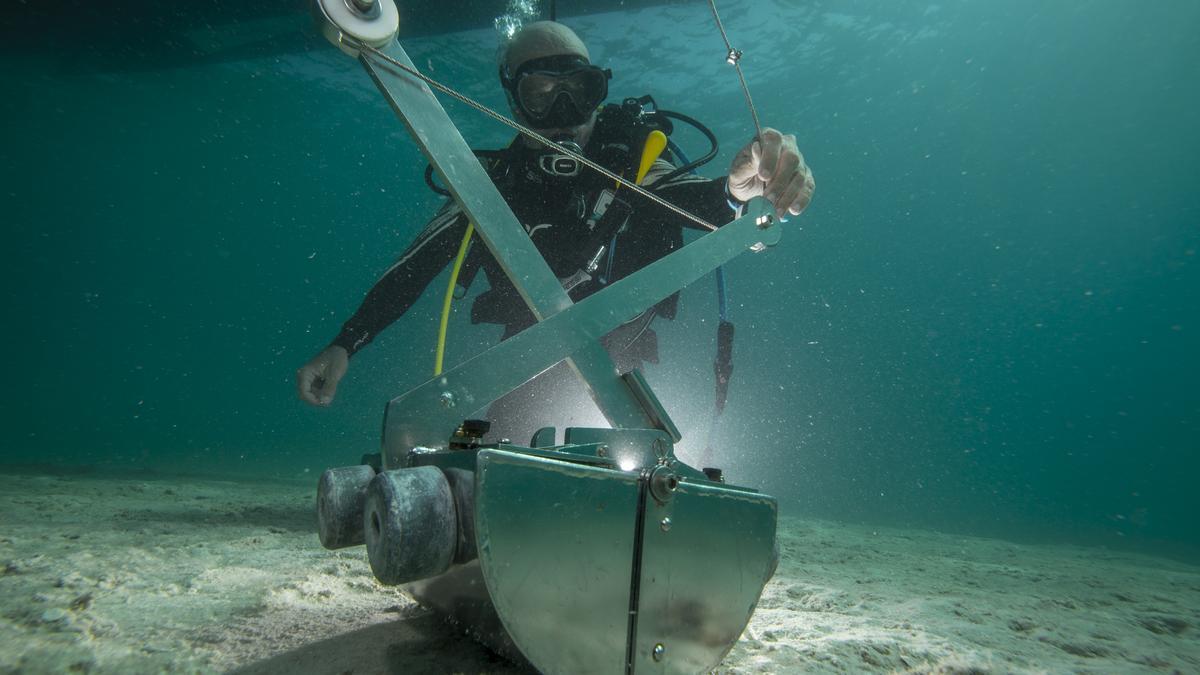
x,y
722,296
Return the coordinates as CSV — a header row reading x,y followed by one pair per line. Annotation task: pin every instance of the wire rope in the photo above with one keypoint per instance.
x,y
734,58
462,98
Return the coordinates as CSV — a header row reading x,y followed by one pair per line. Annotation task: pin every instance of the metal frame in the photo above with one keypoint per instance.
x,y
700,551
424,416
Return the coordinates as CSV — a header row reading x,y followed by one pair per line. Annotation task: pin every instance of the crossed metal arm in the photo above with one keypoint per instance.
x,y
424,416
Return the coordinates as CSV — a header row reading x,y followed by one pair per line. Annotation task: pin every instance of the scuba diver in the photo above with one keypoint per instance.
x,y
589,232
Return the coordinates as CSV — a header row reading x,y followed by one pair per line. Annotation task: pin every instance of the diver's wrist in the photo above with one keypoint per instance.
x,y
734,202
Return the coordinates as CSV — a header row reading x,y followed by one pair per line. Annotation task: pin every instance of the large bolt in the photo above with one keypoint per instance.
x,y
660,651
663,483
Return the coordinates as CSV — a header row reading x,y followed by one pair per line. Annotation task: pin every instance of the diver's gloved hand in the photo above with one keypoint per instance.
x,y
774,168
317,380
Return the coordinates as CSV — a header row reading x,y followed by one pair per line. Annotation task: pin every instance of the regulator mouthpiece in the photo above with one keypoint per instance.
x,y
559,164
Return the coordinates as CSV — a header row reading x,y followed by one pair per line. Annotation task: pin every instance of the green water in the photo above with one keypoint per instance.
x,y
986,322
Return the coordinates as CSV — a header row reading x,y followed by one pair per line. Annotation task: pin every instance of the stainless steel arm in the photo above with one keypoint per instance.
x,y
425,415
445,148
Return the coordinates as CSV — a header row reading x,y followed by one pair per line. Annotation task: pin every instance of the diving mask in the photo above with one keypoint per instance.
x,y
556,92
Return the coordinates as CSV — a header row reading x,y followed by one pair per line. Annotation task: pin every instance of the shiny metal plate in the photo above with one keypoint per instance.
x,y
707,553
556,549
557,544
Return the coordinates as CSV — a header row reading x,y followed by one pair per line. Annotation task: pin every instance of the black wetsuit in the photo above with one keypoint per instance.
x,y
555,212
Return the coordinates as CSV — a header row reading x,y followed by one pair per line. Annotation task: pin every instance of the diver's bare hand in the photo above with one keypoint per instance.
x,y
773,167
317,380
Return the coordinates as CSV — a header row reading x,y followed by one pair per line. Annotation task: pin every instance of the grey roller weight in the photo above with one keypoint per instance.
x,y
341,494
409,524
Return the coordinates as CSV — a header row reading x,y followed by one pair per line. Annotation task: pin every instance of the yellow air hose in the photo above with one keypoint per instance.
x,y
656,142
458,262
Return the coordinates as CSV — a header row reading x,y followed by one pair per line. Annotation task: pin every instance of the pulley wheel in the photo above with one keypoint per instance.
x,y
371,22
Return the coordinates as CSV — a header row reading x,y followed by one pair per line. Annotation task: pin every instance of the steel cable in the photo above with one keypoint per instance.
x,y
462,98
734,58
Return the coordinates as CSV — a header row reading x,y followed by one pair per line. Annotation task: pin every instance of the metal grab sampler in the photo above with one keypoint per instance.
x,y
606,554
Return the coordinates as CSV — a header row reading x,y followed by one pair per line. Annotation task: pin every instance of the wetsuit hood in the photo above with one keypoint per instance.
x,y
542,39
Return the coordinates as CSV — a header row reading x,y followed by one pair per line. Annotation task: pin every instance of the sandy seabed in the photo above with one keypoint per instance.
x,y
202,576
